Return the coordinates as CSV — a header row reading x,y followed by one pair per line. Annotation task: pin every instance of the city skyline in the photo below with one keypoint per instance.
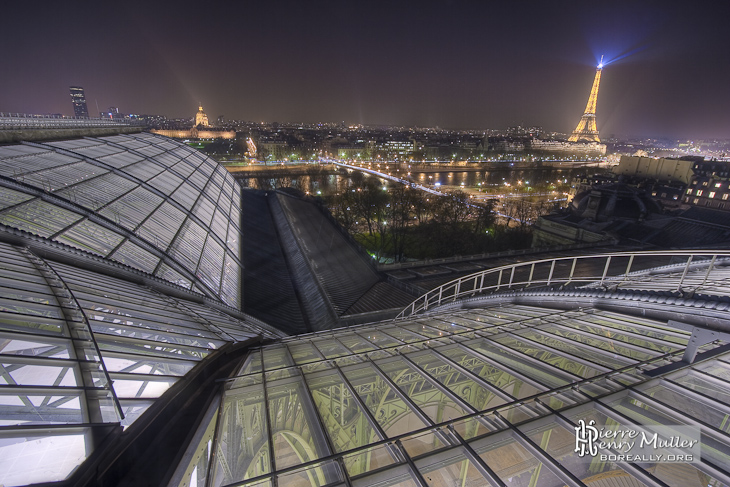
x,y
453,65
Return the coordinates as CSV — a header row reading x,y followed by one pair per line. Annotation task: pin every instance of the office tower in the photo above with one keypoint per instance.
x,y
78,99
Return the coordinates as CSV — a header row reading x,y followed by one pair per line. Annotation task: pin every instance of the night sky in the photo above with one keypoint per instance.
x,y
450,64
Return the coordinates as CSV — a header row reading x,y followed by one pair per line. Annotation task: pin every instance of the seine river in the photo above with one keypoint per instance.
x,y
494,179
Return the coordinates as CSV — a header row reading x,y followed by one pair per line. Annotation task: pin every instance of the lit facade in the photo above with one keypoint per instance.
x,y
201,119
710,185
201,129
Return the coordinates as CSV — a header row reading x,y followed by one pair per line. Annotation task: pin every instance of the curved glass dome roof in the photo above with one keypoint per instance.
x,y
80,351
142,200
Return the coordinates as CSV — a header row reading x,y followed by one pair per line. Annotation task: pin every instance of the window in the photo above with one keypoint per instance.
x,y
718,185
724,197
704,183
699,192
694,202
711,195
689,191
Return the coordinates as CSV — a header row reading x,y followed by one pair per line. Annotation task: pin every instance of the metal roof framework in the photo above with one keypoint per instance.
x,y
142,200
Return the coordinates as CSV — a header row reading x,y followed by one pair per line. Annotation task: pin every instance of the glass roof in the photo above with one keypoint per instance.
x,y
472,397
489,395
143,200
80,350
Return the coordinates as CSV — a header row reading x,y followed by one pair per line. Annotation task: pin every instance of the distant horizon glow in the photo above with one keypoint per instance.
x,y
322,63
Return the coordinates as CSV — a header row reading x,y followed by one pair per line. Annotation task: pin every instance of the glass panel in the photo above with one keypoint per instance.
x,y
472,427
402,335
641,412
320,475
276,358
702,410
613,334
11,344
381,340
705,385
38,217
37,408
37,375
331,348
559,443
355,343
513,464
423,443
434,403
196,471
544,374
610,360
303,352
8,197
132,388
449,326
470,391
390,411
622,322
134,256
133,409
603,344
242,445
369,460
670,473
559,361
91,237
292,425
496,376
44,458
347,425
719,369
450,468
398,476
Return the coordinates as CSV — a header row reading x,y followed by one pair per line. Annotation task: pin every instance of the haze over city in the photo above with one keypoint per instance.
x,y
448,64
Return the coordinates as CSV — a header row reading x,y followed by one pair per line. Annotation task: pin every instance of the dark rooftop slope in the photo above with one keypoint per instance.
x,y
302,273
267,287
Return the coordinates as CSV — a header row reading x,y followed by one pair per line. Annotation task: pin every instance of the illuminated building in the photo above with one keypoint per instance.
x,y
586,131
200,130
78,99
710,185
251,146
662,169
201,119
126,359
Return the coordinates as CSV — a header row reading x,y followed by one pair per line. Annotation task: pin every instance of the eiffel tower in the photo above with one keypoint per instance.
x,y
586,130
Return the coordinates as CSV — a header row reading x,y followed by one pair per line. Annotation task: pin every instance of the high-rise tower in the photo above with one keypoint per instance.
x,y
79,102
586,129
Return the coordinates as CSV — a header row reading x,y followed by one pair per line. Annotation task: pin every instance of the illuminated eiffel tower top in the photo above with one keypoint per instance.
x,y
586,129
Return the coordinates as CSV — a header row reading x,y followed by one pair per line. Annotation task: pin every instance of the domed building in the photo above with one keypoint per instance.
x,y
201,129
201,119
614,201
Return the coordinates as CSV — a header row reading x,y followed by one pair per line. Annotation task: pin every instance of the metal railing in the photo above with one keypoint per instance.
x,y
601,270
20,121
